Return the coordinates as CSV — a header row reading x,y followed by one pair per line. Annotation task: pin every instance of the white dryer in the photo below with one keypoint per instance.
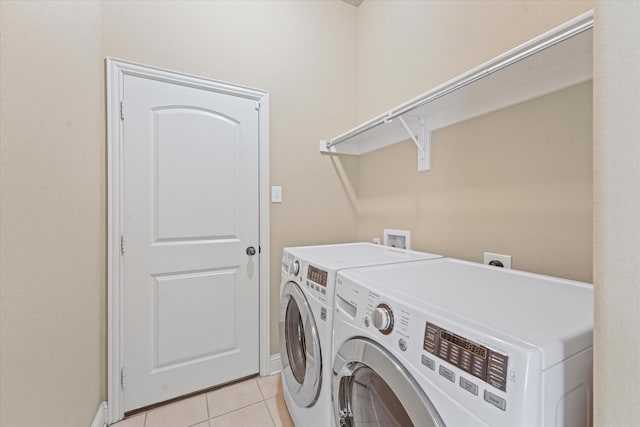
x,y
454,343
306,318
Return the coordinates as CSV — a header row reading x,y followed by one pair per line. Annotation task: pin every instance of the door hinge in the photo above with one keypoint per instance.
x,y
122,382
258,105
105,413
259,249
121,244
121,110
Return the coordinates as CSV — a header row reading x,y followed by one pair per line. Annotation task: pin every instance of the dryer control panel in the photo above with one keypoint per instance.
x,y
474,358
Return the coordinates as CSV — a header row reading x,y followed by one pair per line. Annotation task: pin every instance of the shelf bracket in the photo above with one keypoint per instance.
x,y
413,137
422,142
424,138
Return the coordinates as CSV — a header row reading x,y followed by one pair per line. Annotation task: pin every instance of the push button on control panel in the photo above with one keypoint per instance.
x,y
428,362
496,401
447,373
469,386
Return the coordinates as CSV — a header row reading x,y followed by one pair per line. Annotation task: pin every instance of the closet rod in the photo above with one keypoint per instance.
x,y
583,23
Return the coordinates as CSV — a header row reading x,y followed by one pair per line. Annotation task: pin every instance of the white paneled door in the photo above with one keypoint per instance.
x,y
190,240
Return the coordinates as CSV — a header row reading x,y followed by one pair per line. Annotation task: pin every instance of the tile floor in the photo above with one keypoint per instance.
x,y
256,402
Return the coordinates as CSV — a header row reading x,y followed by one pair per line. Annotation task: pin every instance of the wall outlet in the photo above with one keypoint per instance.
x,y
376,240
497,260
397,238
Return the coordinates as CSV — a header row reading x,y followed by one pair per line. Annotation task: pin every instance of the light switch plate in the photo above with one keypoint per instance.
x,y
276,194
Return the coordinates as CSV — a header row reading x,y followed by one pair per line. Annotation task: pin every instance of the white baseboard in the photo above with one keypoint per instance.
x,y
100,419
276,364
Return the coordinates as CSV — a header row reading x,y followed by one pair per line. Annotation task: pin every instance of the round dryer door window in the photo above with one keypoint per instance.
x,y
371,388
299,347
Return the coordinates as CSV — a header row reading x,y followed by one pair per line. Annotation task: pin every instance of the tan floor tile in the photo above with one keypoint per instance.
x,y
135,421
233,397
204,424
256,415
179,414
270,386
279,412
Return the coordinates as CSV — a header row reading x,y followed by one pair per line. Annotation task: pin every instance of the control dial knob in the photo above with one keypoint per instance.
x,y
382,318
295,268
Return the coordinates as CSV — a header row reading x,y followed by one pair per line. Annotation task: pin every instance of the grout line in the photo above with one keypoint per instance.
x,y
241,407
277,383
245,407
206,400
237,409
260,388
199,422
164,406
209,418
270,414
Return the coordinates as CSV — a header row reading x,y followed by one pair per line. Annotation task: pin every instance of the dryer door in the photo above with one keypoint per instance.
x,y
370,387
299,347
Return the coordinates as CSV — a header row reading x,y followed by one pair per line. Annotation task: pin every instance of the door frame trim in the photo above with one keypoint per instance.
x,y
116,69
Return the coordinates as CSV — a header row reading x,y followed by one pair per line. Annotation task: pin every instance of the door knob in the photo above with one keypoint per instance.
x,y
251,250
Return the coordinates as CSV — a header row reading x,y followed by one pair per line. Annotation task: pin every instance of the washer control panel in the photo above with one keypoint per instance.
x,y
476,359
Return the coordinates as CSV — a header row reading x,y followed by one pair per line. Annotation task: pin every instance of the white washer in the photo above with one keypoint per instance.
x,y
306,318
453,343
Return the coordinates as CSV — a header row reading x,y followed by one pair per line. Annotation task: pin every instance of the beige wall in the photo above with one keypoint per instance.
x,y
53,163
52,211
517,181
407,47
617,214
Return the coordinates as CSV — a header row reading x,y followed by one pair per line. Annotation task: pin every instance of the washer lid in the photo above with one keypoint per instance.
x,y
350,255
554,315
